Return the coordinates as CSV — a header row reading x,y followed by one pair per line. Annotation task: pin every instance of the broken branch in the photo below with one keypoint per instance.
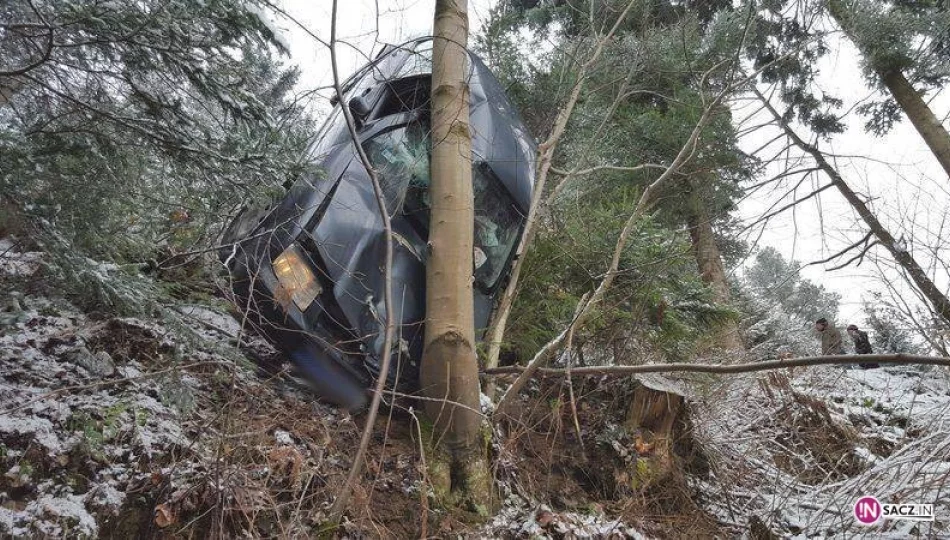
x,y
845,359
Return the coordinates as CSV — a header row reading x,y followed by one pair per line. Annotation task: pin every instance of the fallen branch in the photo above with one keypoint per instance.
x,y
731,368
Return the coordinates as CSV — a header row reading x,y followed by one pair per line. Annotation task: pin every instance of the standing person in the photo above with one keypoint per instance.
x,y
861,345
830,337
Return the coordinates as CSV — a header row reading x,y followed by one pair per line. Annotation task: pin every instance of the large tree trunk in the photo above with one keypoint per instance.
x,y
936,297
909,100
920,115
709,261
449,365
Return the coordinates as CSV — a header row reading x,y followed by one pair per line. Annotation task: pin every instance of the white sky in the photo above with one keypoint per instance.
x,y
911,194
903,176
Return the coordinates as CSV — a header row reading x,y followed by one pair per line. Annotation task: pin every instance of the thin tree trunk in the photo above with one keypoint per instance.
x,y
896,359
936,297
343,497
709,261
909,100
499,321
449,371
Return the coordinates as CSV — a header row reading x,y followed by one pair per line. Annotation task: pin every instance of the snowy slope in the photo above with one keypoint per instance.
x,y
798,453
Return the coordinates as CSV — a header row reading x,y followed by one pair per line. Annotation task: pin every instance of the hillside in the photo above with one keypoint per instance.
x,y
120,427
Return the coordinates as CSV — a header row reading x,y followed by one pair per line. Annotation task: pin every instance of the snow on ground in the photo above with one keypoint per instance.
x,y
79,429
92,411
14,262
522,519
798,453
63,452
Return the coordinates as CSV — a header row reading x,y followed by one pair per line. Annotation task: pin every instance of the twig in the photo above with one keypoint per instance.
x,y
423,492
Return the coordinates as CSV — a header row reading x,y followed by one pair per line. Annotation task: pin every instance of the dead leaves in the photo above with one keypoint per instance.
x,y
165,515
286,460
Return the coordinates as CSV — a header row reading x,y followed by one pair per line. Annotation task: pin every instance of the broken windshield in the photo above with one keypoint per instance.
x,y
401,157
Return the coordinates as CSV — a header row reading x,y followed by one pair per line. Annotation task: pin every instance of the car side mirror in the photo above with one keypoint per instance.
x,y
360,107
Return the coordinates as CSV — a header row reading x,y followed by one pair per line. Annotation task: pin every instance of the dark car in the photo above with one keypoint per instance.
x,y
308,272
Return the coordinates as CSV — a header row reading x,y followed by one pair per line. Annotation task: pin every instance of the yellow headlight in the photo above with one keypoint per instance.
x,y
297,281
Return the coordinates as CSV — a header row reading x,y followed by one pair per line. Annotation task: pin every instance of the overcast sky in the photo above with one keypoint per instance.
x,y
904,178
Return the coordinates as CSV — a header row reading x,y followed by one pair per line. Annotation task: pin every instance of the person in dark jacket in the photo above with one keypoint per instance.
x,y
861,345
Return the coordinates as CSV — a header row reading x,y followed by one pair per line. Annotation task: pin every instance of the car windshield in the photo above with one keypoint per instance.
x,y
401,157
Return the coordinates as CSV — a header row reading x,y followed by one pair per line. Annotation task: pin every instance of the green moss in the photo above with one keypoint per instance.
x,y
643,474
97,432
26,468
461,485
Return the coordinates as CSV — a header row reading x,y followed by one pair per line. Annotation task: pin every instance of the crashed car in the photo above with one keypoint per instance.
x,y
308,271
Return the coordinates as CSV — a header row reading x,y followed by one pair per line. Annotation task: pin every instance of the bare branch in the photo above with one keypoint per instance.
x,y
499,321
731,369
343,497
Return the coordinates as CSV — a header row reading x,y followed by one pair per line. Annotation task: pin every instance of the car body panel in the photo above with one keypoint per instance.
x,y
336,221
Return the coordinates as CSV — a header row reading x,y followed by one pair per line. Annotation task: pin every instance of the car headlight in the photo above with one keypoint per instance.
x,y
296,278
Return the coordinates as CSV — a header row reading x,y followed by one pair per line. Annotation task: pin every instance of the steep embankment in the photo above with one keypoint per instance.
x,y
161,427
794,453
122,427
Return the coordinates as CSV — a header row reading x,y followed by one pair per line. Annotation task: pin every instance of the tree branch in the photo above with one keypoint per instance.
x,y
343,497
730,369
499,320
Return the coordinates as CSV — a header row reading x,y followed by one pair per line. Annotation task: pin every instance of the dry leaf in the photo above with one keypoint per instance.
x,y
544,518
642,447
287,459
164,516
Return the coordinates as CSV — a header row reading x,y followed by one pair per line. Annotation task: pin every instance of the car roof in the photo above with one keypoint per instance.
x,y
499,136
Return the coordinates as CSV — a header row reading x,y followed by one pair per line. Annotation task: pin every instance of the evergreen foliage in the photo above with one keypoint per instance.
x,y
887,328
783,306
656,65
137,127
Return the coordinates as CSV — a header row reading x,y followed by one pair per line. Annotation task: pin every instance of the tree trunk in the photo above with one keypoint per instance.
x,y
909,100
709,261
920,115
449,365
650,419
936,297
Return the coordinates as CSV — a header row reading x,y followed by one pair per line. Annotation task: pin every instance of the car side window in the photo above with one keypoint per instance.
x,y
497,224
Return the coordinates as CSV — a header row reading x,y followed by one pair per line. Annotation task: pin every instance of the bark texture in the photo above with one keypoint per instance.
x,y
937,298
650,418
709,261
8,87
449,365
920,115
903,92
